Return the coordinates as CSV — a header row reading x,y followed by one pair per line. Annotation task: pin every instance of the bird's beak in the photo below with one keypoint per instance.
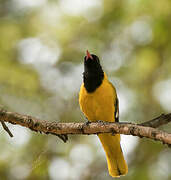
x,y
88,56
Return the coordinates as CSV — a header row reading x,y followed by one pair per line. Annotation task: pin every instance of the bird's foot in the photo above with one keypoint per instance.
x,y
101,122
87,122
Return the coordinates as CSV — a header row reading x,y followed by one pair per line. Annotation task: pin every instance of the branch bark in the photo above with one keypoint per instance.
x,y
63,129
6,129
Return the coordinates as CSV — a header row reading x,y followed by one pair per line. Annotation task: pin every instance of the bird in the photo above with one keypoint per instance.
x,y
98,101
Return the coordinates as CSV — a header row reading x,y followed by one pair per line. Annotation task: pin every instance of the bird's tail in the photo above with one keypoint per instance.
x,y
115,159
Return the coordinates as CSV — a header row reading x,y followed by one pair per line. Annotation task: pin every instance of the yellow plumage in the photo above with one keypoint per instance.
x,y
99,105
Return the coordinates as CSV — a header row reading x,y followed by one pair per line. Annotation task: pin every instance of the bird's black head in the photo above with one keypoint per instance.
x,y
93,73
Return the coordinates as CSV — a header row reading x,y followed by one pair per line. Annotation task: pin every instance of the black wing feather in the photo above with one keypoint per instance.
x,y
117,110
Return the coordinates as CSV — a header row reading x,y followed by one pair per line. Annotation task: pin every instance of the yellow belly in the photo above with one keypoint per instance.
x,y
98,105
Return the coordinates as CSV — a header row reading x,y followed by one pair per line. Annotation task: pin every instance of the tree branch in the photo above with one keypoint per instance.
x,y
6,129
159,121
63,129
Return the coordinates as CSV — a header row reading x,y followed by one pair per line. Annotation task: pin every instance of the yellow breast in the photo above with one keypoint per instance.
x,y
98,105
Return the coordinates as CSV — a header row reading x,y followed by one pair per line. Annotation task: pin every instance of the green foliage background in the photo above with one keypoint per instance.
x,y
42,46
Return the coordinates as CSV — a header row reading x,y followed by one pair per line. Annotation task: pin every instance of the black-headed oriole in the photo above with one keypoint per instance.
x,y
98,101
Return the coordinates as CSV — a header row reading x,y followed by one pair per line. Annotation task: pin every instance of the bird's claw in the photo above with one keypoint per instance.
x,y
87,123
101,122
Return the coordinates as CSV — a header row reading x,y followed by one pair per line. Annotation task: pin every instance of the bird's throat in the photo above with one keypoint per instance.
x,y
92,80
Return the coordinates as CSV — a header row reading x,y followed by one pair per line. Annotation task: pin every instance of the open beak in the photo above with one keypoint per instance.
x,y
88,55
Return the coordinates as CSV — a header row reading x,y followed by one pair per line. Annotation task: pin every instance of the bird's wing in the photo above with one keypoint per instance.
x,y
116,104
116,110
